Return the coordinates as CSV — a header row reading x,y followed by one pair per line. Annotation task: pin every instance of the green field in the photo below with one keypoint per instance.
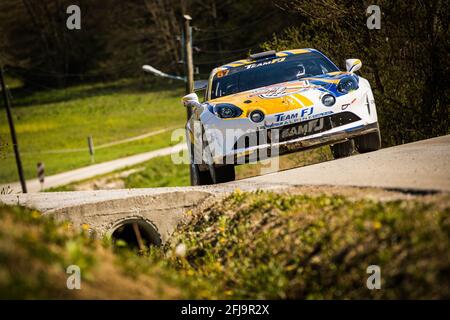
x,y
51,123
53,126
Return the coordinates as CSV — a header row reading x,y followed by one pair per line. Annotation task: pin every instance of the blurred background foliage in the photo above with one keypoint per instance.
x,y
406,61
117,37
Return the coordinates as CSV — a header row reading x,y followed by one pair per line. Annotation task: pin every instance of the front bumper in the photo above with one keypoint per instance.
x,y
272,149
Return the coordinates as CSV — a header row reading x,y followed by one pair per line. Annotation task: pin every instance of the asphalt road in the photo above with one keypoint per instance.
x,y
421,166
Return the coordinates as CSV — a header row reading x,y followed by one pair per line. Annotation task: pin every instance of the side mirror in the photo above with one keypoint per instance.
x,y
200,85
353,65
191,100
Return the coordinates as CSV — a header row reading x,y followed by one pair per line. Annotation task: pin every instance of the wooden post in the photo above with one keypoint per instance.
x,y
91,148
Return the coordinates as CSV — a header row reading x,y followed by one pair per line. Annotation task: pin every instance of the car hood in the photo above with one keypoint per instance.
x,y
282,97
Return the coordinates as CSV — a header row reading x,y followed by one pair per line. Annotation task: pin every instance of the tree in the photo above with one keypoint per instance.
x,y
405,61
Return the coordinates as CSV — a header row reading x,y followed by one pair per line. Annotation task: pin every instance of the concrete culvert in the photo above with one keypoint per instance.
x,y
137,233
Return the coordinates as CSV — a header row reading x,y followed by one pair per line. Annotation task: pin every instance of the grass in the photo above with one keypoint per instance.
x,y
259,245
62,119
264,245
36,251
159,172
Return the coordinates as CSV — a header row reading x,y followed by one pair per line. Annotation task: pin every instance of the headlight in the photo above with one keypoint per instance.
x,y
347,84
257,116
227,110
328,100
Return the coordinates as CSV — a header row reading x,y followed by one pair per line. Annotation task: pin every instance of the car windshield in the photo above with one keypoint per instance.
x,y
267,72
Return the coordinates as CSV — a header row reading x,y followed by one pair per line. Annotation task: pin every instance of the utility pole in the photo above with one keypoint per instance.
x,y
13,132
216,26
188,59
188,65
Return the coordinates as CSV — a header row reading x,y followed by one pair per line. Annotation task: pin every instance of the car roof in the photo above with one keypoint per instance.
x,y
279,54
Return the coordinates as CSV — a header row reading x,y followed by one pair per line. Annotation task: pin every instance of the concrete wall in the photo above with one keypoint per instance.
x,y
104,211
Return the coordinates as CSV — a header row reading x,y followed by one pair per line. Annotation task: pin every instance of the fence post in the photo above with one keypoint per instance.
x,y
91,148
41,173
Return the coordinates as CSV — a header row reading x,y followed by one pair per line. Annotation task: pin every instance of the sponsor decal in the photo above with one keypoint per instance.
x,y
222,73
303,129
282,91
275,92
283,117
264,63
305,114
346,105
318,115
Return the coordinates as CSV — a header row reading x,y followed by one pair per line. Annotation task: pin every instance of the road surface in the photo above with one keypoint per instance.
x,y
421,166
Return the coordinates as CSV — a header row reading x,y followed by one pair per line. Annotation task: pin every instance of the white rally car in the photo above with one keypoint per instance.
x,y
275,103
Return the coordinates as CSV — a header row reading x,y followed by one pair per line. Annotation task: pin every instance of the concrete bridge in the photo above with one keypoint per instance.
x,y
156,212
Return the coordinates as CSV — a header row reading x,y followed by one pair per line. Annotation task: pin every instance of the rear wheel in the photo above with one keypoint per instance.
x,y
368,142
343,149
225,173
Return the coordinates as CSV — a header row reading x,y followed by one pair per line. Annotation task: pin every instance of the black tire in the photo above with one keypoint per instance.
x,y
368,142
343,149
225,173
199,178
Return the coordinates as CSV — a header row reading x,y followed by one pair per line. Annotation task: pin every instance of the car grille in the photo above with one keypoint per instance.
x,y
343,118
296,130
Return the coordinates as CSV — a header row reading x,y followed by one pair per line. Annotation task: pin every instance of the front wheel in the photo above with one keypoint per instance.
x,y
343,149
199,178
368,142
224,173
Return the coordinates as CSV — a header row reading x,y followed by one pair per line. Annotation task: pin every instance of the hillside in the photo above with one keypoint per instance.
x,y
259,245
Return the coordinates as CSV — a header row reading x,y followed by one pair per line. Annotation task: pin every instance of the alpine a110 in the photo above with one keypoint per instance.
x,y
275,103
